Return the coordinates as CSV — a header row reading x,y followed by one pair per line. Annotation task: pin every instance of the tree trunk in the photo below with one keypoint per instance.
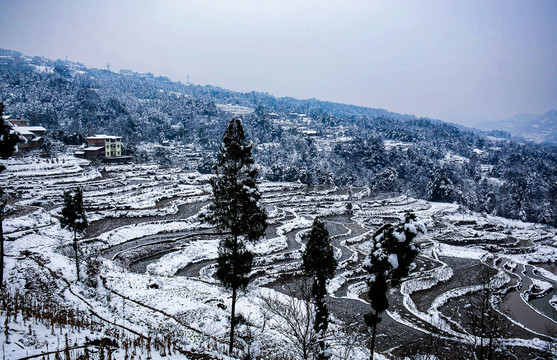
x,y
320,328
76,254
372,346
1,250
321,355
232,322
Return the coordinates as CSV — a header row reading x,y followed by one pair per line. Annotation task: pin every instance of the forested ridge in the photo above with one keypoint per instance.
x,y
351,145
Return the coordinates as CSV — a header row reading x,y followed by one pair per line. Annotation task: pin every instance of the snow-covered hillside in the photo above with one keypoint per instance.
x,y
149,262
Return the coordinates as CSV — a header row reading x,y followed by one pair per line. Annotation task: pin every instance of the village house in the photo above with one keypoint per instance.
x,y
272,116
102,147
33,134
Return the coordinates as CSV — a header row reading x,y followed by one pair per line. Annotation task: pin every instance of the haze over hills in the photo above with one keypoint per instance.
x,y
541,129
535,127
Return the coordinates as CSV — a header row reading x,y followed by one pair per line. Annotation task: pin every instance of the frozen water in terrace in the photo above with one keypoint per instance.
x,y
158,252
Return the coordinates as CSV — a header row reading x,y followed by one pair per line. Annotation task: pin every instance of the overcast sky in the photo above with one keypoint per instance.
x,y
460,61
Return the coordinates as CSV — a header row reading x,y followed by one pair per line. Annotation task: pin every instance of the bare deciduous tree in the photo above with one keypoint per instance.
x,y
292,316
485,324
348,337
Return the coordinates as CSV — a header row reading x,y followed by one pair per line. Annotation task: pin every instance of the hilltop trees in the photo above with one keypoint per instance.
x,y
235,210
388,263
74,219
319,263
8,138
442,188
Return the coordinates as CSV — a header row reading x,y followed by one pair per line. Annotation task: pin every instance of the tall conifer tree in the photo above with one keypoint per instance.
x,y
319,263
236,210
388,263
74,219
8,138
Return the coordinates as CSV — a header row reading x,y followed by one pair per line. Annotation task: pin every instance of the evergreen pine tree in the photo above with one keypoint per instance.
x,y
442,188
236,210
8,145
8,138
74,219
319,262
388,263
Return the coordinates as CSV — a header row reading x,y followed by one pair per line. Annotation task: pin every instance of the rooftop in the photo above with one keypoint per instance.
x,y
102,137
23,131
20,129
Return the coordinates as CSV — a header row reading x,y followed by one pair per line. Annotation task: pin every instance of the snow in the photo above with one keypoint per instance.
x,y
32,220
389,144
267,246
43,68
193,252
393,260
553,301
136,231
399,236
450,157
235,109
540,286
135,191
426,281
416,227
460,252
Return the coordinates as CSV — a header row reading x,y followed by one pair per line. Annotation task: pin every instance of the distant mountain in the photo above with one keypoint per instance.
x,y
536,127
511,124
541,129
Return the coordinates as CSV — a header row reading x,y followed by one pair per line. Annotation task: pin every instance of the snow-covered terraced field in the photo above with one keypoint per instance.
x,y
158,254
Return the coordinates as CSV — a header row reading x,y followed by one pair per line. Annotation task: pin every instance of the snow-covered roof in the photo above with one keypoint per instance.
x,y
28,128
103,137
23,131
93,148
309,132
